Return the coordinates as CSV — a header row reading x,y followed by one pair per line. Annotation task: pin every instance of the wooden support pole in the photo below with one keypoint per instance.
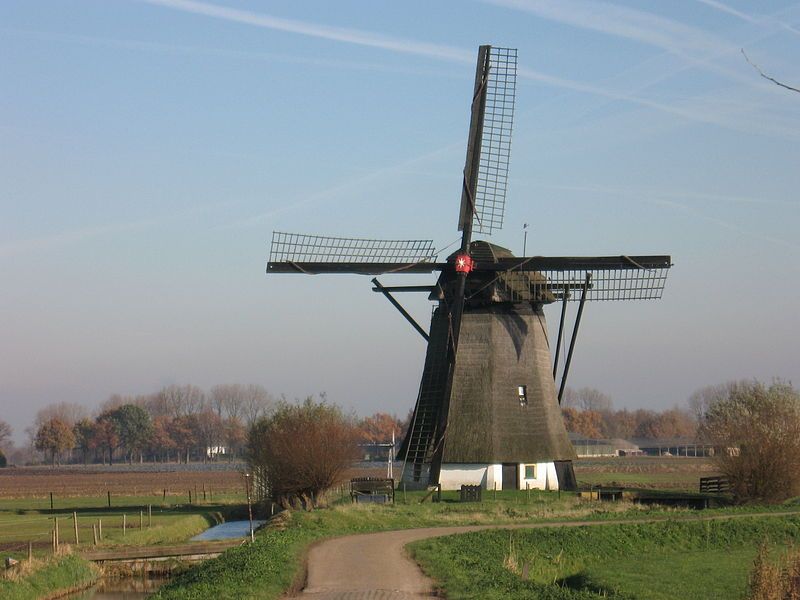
x,y
204,492
190,496
164,497
55,532
75,522
30,552
53,539
149,516
109,498
100,529
94,534
568,362
124,524
141,520
51,500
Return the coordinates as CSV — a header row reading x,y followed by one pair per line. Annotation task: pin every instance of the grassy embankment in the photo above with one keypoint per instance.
x,y
273,564
672,560
24,520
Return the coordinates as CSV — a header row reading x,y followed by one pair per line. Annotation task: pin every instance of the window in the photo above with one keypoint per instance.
x,y
522,391
530,471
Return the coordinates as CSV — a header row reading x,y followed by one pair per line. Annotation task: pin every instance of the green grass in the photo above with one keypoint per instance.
x,y
31,520
267,568
60,573
687,560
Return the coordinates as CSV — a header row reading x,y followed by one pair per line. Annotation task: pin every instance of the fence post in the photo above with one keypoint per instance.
x,y
56,531
149,516
495,490
190,496
164,497
204,492
51,501
30,552
94,533
141,520
100,529
75,519
124,524
109,498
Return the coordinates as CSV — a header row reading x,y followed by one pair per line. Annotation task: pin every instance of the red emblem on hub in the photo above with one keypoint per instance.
x,y
464,263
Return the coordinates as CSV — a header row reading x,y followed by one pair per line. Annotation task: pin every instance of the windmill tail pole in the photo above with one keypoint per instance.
x,y
402,310
560,332
574,337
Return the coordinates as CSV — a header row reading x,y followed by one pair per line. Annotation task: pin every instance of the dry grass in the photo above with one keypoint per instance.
x,y
771,580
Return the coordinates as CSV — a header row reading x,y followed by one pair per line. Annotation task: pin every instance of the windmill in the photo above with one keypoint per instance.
x,y
487,410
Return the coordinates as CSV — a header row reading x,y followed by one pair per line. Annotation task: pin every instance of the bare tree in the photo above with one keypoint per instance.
x,y
586,398
228,400
257,403
5,434
67,412
767,77
179,401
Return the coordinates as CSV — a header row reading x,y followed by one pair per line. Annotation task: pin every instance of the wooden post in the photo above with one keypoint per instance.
x,y
124,524
100,529
30,552
109,498
141,520
210,495
51,501
527,493
55,532
53,539
94,534
75,522
164,497
204,492
495,490
190,496
149,516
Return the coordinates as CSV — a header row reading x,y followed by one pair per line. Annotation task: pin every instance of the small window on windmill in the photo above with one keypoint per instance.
x,y
522,391
530,471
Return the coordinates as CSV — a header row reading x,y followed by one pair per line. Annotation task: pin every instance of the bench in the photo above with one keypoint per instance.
x,y
371,487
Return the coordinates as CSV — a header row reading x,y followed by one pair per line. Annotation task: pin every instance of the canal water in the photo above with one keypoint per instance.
x,y
140,587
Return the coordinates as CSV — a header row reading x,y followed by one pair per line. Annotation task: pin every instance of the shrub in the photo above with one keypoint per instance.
x,y
756,433
3,461
302,450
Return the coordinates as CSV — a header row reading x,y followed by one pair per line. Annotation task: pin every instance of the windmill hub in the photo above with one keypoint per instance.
x,y
464,263
487,411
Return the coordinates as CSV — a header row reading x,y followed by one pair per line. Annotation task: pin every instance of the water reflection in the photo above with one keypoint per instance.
x,y
132,588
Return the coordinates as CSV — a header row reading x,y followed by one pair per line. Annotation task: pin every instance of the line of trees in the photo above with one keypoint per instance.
x,y
180,423
589,412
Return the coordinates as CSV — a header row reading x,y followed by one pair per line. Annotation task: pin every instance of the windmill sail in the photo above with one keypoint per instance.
x,y
314,254
483,198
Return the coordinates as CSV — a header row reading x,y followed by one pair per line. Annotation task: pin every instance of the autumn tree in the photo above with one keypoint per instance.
x,y
105,437
54,436
380,428
584,422
302,450
182,430
672,423
755,430
161,442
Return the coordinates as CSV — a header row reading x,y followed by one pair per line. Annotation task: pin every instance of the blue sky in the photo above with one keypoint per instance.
x,y
150,147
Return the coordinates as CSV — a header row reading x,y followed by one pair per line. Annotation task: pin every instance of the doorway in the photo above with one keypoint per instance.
x,y
510,476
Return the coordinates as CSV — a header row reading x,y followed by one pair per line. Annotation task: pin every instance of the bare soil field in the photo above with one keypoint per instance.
x,y
127,480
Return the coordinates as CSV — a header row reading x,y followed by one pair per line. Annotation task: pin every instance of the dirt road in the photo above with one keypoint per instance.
x,y
375,566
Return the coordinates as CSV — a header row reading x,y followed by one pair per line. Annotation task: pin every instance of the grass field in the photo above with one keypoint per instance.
x,y
672,560
673,473
270,566
174,520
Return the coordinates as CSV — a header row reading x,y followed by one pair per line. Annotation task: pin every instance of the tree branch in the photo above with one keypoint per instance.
x,y
765,76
